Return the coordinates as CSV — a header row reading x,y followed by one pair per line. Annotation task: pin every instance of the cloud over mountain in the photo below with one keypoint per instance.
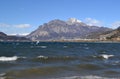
x,y
115,24
13,29
93,22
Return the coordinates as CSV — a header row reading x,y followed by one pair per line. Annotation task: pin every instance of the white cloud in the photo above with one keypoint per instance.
x,y
93,22
115,24
13,25
13,29
24,34
22,25
21,34
4,25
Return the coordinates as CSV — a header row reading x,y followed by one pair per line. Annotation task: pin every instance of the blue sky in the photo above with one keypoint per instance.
x,y
24,16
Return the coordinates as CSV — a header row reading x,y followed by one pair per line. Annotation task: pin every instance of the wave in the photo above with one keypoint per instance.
x,y
56,71
104,56
57,58
43,46
3,58
32,73
84,77
41,56
65,46
38,47
2,76
90,67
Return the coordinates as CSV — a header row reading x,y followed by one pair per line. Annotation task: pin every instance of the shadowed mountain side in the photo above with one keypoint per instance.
x,y
5,37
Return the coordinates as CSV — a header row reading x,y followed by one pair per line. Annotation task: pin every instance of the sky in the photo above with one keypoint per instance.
x,y
25,16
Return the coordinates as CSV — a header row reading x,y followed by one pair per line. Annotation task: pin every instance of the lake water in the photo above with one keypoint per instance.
x,y
59,60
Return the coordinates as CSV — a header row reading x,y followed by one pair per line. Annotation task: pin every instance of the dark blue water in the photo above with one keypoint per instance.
x,y
59,60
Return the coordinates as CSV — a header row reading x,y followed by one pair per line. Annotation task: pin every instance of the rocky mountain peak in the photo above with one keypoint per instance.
x,y
56,21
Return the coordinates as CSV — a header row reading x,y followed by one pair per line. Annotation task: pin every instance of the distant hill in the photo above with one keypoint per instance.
x,y
5,37
71,29
111,35
2,34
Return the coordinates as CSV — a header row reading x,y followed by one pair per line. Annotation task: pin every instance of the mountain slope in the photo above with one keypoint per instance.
x,y
111,35
5,37
58,30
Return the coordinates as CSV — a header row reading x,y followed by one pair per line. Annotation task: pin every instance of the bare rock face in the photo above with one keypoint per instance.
x,y
58,29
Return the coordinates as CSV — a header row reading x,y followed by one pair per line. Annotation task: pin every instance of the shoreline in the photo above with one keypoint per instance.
x,y
82,41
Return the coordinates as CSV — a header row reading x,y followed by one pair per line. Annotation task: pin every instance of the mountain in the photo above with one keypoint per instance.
x,y
2,34
59,30
5,37
113,35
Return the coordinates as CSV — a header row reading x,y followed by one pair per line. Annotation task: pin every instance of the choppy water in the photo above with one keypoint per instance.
x,y
54,60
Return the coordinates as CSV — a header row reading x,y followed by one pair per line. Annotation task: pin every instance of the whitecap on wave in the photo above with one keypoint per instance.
x,y
105,56
2,75
3,58
41,56
43,46
65,46
84,77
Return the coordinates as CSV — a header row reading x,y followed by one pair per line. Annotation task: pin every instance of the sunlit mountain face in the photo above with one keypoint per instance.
x,y
70,29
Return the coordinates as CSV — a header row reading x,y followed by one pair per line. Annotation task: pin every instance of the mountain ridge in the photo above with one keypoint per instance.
x,y
58,29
